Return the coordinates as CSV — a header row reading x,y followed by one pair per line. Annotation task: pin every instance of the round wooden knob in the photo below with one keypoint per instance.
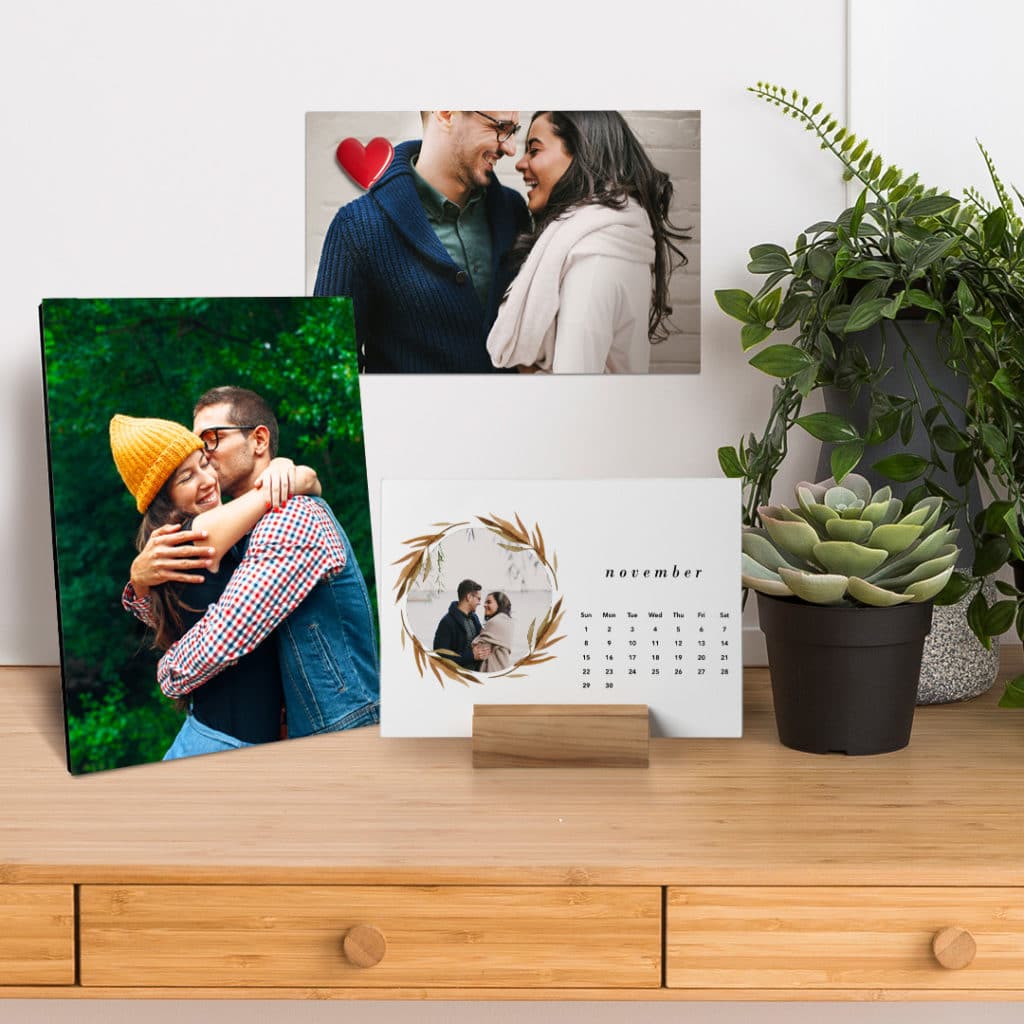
x,y
954,947
365,945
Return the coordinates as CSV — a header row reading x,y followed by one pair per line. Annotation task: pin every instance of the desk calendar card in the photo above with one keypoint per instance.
x,y
561,592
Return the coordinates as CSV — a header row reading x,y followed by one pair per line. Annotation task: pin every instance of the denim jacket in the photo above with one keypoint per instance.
x,y
327,648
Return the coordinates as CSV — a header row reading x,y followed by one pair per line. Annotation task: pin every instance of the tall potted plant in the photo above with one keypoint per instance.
x,y
902,258
845,581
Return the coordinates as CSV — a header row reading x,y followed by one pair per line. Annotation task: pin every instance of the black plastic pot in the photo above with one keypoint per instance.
x,y
844,679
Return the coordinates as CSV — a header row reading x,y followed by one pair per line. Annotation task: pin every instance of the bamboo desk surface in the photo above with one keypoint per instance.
x,y
351,807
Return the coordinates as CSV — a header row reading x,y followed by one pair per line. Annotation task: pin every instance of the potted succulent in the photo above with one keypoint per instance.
x,y
845,584
907,311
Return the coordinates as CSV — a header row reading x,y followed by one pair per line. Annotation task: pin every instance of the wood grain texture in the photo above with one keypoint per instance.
x,y
560,735
359,809
419,993
364,945
825,937
486,936
37,935
457,869
532,994
954,948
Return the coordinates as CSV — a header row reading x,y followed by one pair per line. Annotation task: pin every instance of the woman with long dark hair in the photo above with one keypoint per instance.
x,y
497,632
591,292
164,466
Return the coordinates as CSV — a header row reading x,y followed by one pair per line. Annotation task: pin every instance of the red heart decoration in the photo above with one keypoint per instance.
x,y
364,164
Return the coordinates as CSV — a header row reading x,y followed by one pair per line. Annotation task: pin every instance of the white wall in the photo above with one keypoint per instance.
x,y
929,77
159,151
164,156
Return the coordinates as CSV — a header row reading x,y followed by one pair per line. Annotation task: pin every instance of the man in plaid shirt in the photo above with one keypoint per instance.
x,y
298,577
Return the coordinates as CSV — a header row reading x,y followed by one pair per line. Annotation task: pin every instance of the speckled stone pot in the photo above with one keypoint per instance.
x,y
954,665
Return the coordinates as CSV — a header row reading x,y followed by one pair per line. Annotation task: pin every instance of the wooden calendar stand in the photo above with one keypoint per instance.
x,y
560,735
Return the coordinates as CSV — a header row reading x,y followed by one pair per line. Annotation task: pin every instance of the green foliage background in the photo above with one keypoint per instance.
x,y
154,357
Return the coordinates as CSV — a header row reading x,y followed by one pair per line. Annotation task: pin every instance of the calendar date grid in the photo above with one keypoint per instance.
x,y
619,648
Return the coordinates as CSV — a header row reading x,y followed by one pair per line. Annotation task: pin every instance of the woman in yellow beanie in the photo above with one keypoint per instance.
x,y
164,466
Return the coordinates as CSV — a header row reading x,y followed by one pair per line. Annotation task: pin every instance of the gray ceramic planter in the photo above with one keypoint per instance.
x,y
954,665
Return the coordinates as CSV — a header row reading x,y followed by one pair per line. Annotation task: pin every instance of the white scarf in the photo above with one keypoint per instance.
x,y
522,334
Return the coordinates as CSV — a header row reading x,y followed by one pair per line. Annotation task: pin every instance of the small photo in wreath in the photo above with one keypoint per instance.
x,y
478,599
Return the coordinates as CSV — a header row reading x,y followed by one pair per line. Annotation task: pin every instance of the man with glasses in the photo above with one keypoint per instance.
x,y
422,253
298,580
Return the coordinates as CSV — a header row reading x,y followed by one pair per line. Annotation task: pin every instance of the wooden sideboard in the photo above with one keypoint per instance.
x,y
347,866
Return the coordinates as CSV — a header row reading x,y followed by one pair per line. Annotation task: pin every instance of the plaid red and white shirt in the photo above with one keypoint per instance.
x,y
289,552
140,607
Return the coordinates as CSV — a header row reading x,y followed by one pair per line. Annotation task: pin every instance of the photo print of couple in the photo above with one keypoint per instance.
x,y
191,624
481,241
483,627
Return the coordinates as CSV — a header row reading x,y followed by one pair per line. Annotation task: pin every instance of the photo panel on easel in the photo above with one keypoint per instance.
x,y
174,420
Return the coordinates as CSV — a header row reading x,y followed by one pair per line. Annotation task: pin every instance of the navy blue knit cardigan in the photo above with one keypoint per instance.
x,y
416,311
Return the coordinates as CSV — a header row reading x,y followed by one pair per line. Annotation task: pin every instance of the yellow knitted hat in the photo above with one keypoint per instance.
x,y
147,452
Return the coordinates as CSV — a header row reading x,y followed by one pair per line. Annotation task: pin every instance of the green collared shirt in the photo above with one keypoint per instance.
x,y
464,232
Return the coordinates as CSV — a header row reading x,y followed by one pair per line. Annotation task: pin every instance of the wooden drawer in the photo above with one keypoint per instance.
x,y
37,935
843,937
272,935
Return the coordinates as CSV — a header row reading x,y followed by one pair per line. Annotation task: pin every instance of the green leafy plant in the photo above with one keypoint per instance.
x,y
109,731
847,544
903,251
